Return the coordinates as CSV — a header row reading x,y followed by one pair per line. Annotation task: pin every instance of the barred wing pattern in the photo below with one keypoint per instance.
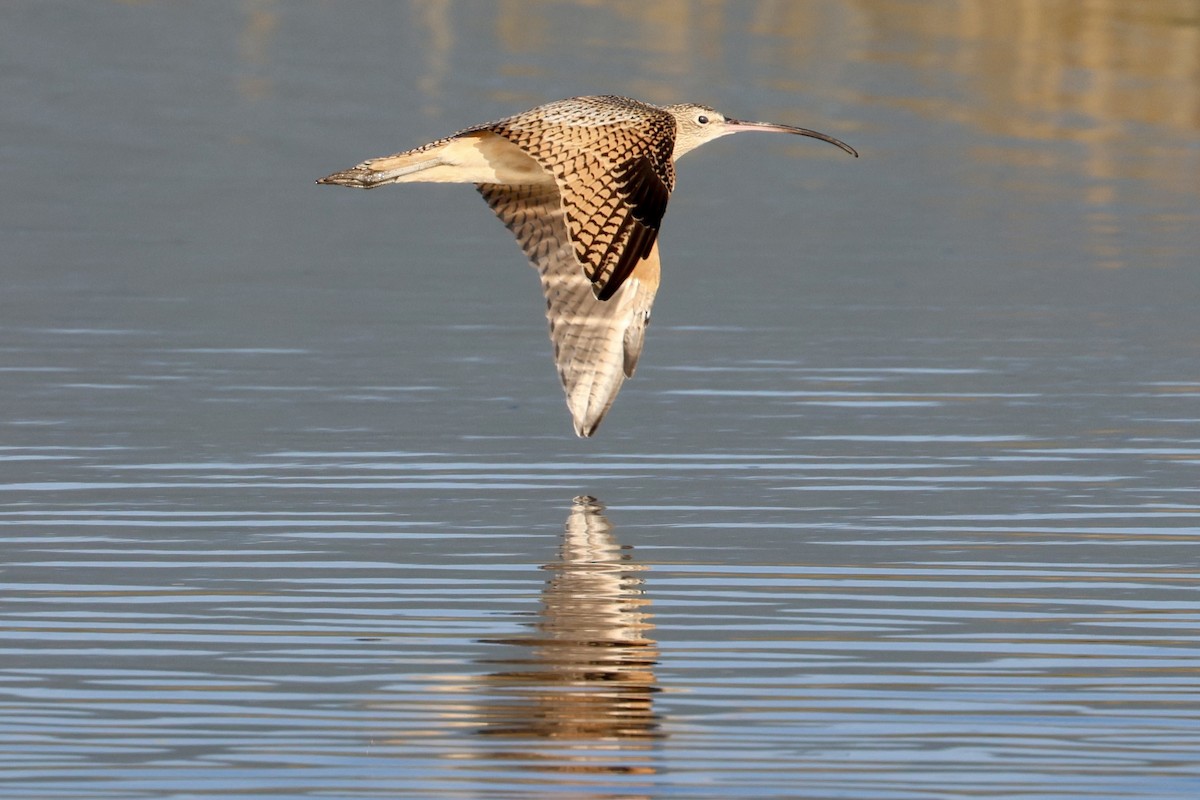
x,y
611,159
583,184
596,342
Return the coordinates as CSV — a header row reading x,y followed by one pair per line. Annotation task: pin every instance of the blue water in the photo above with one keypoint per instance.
x,y
902,502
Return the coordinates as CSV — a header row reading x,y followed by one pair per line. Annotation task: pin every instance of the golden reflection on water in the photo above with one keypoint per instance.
x,y
254,40
436,20
1075,70
1023,67
1093,105
1068,100
585,674
1099,100
1053,69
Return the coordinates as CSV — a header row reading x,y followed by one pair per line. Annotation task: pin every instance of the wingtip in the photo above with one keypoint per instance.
x,y
357,178
584,430
586,420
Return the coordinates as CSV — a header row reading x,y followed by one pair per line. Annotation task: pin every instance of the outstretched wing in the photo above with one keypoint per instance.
x,y
611,160
596,342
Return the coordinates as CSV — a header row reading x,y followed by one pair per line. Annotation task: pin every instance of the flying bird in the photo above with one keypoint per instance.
x,y
582,184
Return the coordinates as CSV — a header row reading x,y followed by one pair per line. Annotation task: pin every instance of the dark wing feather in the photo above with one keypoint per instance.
x,y
645,198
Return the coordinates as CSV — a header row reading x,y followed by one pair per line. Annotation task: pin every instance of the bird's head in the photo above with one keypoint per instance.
x,y
696,125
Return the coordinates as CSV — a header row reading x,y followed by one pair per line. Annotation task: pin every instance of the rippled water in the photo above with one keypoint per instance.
x,y
902,503
868,615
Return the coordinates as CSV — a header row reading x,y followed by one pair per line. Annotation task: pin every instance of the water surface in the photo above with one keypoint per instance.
x,y
901,504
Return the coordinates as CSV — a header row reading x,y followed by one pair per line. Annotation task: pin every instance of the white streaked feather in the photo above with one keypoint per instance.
x,y
596,342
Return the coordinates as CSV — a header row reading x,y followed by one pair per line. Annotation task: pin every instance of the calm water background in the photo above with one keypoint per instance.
x,y
902,503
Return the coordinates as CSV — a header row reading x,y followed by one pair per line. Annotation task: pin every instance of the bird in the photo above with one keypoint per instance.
x,y
583,185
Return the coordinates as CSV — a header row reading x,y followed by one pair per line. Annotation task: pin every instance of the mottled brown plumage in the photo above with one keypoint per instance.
x,y
611,159
583,184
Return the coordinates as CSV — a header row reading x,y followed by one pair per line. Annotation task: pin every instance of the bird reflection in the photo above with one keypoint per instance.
x,y
586,671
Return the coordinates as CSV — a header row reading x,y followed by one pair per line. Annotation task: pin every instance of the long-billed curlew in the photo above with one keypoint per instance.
x,y
583,184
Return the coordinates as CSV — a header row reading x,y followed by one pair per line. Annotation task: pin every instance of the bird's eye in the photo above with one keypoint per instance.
x,y
703,120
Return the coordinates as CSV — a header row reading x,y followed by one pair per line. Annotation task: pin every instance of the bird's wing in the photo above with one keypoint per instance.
x,y
596,342
611,159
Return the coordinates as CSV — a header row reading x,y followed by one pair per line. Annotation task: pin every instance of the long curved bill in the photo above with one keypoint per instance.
x,y
734,125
